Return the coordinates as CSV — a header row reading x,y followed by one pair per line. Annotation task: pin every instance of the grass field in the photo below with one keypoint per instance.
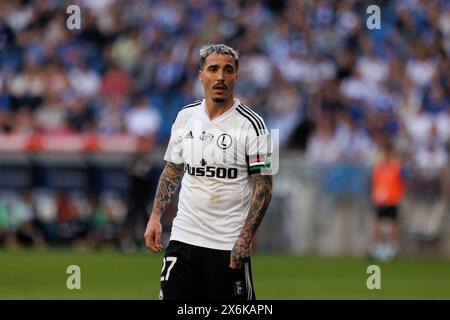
x,y
115,275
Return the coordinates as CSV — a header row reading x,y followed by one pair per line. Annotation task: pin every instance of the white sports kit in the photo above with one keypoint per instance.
x,y
219,157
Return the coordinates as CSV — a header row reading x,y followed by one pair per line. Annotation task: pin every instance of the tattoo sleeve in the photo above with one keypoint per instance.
x,y
167,186
262,194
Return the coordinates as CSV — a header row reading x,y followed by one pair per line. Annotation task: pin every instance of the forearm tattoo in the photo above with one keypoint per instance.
x,y
262,194
167,186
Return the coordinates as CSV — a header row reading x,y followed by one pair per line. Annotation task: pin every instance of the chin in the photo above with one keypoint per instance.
x,y
218,100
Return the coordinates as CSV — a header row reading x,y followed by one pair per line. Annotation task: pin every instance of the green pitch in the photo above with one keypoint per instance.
x,y
115,275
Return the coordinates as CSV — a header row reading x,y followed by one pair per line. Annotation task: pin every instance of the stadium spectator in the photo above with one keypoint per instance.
x,y
142,120
323,146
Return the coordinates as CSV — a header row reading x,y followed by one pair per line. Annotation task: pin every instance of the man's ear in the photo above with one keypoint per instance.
x,y
200,75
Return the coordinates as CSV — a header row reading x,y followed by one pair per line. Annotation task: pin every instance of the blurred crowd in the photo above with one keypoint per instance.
x,y
53,217
312,69
87,206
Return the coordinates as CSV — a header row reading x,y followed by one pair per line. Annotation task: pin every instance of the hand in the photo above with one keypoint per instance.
x,y
152,234
239,253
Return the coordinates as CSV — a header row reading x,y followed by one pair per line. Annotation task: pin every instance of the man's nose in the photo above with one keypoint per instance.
x,y
220,75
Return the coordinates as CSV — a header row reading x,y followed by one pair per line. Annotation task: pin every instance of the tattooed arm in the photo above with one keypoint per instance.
x,y
262,194
167,186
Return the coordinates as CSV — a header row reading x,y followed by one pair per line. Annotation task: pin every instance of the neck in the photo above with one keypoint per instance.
x,y
214,109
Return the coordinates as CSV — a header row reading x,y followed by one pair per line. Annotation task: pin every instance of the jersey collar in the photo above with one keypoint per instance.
x,y
223,115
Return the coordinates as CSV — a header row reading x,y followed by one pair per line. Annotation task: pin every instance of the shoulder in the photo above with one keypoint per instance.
x,y
190,106
185,111
251,119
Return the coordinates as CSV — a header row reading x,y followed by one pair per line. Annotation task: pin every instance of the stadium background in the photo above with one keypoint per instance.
x,y
85,116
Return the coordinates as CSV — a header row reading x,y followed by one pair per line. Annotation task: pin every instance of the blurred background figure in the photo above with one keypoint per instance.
x,y
388,190
107,219
141,171
18,222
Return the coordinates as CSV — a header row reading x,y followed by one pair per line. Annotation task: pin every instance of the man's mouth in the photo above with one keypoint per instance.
x,y
220,87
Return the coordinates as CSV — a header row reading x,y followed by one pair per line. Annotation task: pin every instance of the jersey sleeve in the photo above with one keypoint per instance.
x,y
258,151
174,151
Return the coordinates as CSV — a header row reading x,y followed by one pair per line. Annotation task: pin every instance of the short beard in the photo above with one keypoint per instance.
x,y
218,100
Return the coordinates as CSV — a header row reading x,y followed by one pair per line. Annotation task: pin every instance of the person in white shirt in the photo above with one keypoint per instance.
x,y
219,151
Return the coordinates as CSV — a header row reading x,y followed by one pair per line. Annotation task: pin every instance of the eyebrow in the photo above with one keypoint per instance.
x,y
216,65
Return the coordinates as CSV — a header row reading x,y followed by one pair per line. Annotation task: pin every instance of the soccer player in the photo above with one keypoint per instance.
x,y
219,150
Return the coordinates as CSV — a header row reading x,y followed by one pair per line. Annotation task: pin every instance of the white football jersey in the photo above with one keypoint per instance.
x,y
219,156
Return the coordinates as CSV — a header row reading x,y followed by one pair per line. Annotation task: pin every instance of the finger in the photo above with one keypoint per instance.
x,y
158,239
149,243
151,247
154,248
232,263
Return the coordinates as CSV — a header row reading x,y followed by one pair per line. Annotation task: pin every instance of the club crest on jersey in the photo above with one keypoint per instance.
x,y
206,136
224,141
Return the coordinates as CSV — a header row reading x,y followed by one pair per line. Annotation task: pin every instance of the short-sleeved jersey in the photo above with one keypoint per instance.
x,y
219,156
